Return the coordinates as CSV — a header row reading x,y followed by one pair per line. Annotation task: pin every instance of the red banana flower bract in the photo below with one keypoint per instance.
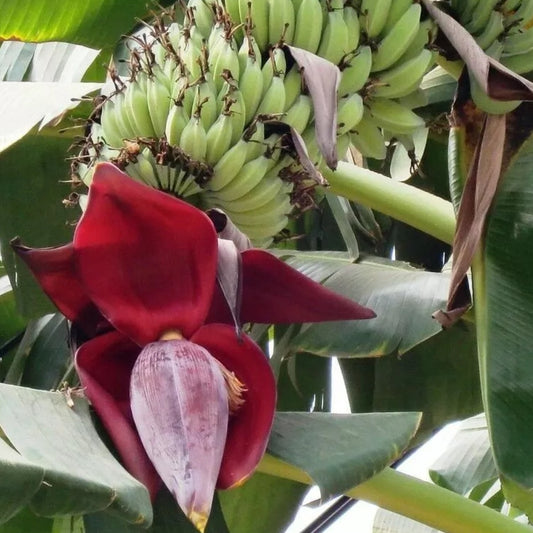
x,y
185,397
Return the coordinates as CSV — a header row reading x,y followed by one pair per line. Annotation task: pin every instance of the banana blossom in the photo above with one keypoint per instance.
x,y
184,395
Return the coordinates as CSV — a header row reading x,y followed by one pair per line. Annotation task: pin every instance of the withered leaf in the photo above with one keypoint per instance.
x,y
322,80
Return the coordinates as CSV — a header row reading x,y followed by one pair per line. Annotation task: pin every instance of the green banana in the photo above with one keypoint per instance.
x,y
111,131
203,15
353,25
481,15
402,79
281,21
355,74
273,100
397,41
374,14
300,113
259,11
177,119
136,104
518,43
218,138
368,138
251,86
293,85
488,104
396,10
334,42
308,25
193,139
494,27
228,166
158,99
205,97
393,116
350,112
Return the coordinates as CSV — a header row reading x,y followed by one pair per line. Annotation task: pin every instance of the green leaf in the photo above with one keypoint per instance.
x,y
504,312
20,480
30,172
264,504
341,451
11,323
81,475
97,24
24,105
28,522
402,297
49,357
439,378
468,460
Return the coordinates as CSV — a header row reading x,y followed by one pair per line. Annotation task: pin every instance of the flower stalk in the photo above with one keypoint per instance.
x,y
411,497
406,203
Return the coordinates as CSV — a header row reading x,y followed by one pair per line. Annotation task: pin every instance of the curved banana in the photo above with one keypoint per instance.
x,y
308,25
368,138
218,138
374,15
494,27
350,112
402,79
334,42
481,15
158,98
205,97
228,166
251,86
259,11
193,140
281,21
518,42
136,104
395,43
355,74
293,85
488,104
351,17
247,178
300,113
203,15
110,129
273,101
177,119
396,10
393,116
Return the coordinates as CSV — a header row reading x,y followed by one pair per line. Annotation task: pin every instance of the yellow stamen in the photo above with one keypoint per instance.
x,y
235,389
199,520
171,334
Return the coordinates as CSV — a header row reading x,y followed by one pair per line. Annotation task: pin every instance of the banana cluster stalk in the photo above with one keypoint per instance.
x,y
504,30
194,118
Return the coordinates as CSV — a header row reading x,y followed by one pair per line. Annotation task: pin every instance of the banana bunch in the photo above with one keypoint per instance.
x,y
503,29
193,119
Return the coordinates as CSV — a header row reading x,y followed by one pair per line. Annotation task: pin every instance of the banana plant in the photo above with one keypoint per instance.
x,y
283,120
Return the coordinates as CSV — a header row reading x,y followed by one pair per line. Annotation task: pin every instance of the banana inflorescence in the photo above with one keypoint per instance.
x,y
504,30
196,116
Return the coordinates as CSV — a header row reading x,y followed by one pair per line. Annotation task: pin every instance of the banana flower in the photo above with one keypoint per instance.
x,y
184,395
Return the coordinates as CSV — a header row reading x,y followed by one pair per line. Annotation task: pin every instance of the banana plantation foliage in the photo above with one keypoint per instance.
x,y
207,205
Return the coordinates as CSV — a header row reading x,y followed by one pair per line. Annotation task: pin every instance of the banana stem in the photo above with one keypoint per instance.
x,y
406,203
419,500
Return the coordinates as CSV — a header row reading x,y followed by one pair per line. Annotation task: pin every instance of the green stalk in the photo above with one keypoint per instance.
x,y
406,203
422,501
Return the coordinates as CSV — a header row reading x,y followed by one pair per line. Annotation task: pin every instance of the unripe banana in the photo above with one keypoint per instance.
x,y
300,113
203,15
353,25
334,41
481,15
259,10
396,42
396,10
355,74
488,104
237,114
206,97
523,15
281,21
427,31
111,132
219,138
228,166
227,59
276,65
122,118
248,49
308,25
158,98
393,116
402,79
518,43
251,86
136,103
278,207
247,178
261,234
193,138
293,85
368,138
273,101
374,14
177,119
519,63
494,27
350,112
